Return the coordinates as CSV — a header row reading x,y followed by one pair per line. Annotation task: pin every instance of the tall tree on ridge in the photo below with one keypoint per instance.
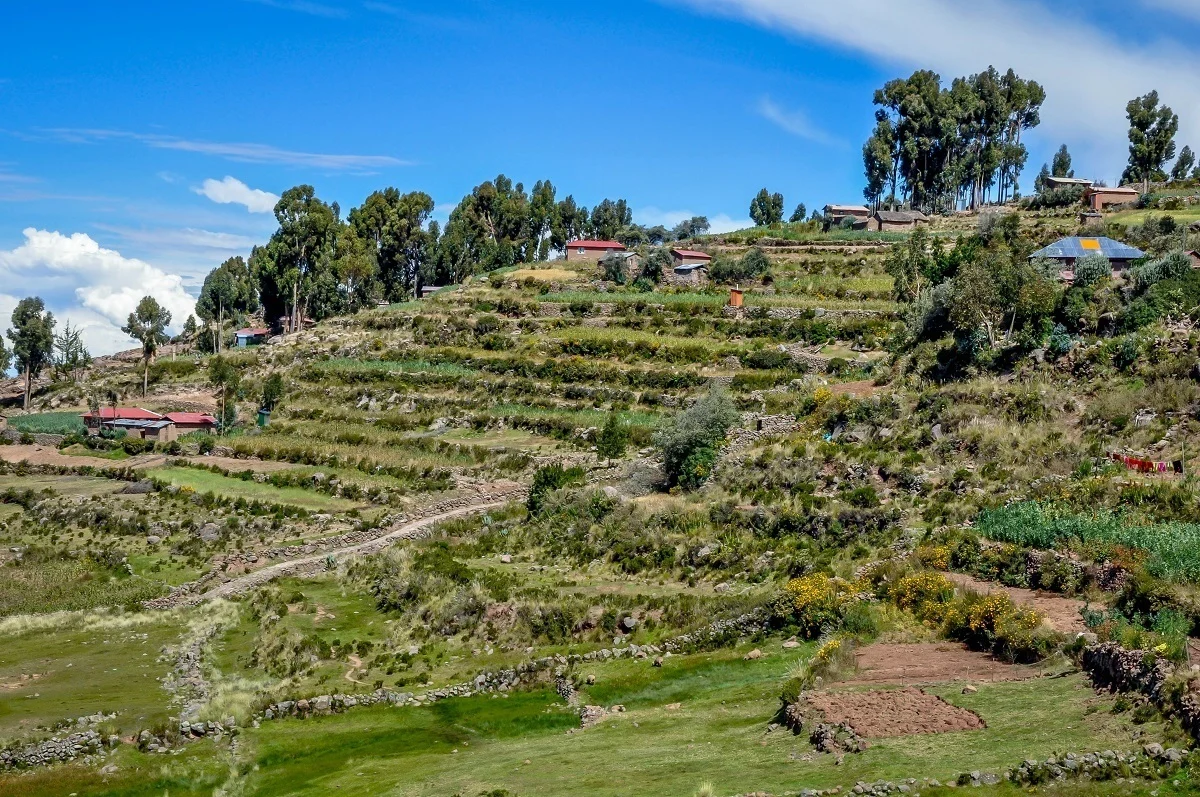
x,y
148,325
1061,166
1152,129
229,290
1183,164
32,336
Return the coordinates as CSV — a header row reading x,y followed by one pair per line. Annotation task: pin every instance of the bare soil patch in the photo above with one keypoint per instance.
x,y
894,712
905,664
47,455
235,465
862,389
1061,613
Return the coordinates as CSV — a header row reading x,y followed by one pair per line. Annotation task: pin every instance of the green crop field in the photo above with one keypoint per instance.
x,y
206,482
48,423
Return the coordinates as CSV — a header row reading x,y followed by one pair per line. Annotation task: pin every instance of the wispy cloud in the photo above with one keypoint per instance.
x,y
232,191
795,122
1087,96
7,175
174,239
241,152
1187,8
304,7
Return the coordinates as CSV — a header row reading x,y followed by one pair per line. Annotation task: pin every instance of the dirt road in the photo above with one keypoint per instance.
x,y
1061,613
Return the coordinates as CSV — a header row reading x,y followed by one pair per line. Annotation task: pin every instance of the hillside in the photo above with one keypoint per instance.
x,y
544,534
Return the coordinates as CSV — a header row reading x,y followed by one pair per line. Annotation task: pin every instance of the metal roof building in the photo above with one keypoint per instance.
x,y
1071,249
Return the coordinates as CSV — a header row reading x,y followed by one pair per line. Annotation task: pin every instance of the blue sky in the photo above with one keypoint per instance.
x,y
141,143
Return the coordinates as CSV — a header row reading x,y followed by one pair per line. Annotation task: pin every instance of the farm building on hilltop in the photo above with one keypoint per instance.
x,y
835,214
1100,198
591,251
895,220
690,257
251,336
1068,250
1067,182
192,422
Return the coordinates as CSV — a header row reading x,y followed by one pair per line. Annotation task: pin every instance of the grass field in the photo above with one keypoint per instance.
x,y
75,668
203,481
86,486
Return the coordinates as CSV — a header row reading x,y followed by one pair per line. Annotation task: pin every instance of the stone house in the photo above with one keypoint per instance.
x,y
896,220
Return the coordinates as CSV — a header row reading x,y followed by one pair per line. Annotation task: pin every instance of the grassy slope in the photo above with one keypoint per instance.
x,y
204,482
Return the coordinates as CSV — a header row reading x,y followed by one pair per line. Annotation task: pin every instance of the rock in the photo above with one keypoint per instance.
x,y
153,539
752,655
210,532
658,661
506,559
629,623
791,644
936,432
673,706
591,679
969,690
612,492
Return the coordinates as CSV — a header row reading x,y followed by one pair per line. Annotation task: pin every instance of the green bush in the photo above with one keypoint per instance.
x,y
546,480
1091,269
690,439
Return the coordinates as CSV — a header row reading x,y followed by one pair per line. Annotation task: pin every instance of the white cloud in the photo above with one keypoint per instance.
x,y
722,222
241,152
1089,73
94,287
795,122
232,191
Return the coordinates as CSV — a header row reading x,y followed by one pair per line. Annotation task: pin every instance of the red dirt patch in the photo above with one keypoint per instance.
x,y
1061,613
894,712
931,663
862,389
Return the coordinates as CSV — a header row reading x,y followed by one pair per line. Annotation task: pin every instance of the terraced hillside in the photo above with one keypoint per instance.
x,y
458,559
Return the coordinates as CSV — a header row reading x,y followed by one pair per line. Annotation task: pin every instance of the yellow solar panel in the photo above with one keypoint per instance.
x,y
1090,243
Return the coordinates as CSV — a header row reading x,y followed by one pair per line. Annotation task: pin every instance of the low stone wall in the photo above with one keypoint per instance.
x,y
55,750
1112,667
52,440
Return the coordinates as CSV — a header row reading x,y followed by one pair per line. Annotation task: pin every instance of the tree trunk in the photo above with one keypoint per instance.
x,y
28,387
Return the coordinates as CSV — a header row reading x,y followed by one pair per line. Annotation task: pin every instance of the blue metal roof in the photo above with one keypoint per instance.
x,y
1082,247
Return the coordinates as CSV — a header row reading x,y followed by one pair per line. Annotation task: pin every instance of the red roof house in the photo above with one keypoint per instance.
x,y
593,251
192,421
688,257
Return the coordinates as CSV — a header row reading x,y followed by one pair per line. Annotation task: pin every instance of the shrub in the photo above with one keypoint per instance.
x,y
546,480
684,438
613,438
1091,269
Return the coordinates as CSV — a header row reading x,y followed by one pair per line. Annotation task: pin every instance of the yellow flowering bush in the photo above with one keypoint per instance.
x,y
935,556
816,601
923,592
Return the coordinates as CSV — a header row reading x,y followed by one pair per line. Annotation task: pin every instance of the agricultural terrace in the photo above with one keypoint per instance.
x,y
557,535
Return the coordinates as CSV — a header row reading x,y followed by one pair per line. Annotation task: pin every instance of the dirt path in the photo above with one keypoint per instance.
x,y
1061,613
411,530
355,666
930,663
47,455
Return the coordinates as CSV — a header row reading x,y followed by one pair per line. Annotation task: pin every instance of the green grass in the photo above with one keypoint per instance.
x,y
719,300
718,734
345,365
77,668
203,481
77,450
69,585
86,486
48,423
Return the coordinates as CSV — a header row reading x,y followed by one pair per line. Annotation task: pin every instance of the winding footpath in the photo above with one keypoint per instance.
x,y
411,530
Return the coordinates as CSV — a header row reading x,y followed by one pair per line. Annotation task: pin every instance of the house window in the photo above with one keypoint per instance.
x,y
582,250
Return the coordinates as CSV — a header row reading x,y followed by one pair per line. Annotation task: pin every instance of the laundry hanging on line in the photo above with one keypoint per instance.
x,y
1147,465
